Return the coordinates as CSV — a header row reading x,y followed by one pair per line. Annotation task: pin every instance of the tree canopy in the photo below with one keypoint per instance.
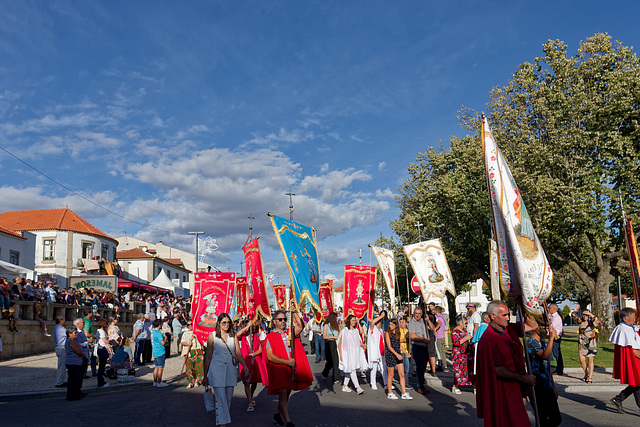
x,y
569,128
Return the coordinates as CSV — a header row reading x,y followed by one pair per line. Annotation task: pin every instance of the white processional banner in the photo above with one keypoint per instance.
x,y
430,266
387,264
524,269
494,265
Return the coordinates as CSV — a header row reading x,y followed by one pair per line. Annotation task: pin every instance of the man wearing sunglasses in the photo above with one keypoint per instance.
x,y
280,363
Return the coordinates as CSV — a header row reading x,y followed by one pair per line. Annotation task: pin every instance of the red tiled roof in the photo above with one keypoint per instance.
x,y
339,289
133,254
49,219
176,261
137,253
11,232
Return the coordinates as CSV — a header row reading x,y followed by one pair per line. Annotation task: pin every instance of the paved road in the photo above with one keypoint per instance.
x,y
323,404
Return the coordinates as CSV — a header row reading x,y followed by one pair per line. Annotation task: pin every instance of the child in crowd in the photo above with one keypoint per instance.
x,y
157,343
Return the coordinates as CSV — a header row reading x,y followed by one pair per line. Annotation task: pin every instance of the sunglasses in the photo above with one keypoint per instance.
x,y
282,319
224,323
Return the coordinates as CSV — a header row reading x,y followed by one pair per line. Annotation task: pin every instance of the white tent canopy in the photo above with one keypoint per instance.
x,y
15,270
163,281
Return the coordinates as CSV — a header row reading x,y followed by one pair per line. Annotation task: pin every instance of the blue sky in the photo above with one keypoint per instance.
x,y
190,116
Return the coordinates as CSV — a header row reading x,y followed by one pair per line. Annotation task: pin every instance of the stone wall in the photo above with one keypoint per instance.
x,y
30,338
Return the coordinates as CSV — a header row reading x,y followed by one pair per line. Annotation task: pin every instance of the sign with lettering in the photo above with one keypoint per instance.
x,y
98,283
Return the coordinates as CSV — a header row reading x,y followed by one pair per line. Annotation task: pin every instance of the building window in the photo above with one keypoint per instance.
x,y
177,276
14,257
184,279
48,246
474,290
104,252
87,250
114,254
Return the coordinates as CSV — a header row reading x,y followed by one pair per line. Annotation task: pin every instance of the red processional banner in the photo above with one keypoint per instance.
x,y
280,293
325,297
241,296
634,259
257,298
359,290
212,296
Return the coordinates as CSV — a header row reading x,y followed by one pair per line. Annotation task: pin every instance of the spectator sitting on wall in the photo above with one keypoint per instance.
x,y
52,295
29,290
37,308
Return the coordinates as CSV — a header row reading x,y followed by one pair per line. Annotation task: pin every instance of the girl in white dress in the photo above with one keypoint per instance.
x,y
351,352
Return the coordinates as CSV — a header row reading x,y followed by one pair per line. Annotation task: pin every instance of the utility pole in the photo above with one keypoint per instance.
x,y
360,256
196,234
419,226
241,270
290,194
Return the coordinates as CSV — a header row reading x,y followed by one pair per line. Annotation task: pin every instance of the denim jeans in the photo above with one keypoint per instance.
x,y
5,303
138,354
318,342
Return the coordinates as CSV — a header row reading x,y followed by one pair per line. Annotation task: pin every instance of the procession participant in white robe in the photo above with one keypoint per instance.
x,y
351,352
626,357
375,350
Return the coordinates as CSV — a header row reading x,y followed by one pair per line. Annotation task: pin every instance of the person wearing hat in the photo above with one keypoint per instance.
x,y
587,344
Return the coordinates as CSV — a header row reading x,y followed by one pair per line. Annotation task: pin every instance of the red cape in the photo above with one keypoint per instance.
x,y
500,402
626,366
257,366
280,375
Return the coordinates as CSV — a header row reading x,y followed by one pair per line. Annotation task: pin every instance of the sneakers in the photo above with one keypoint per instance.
x,y
162,384
392,396
47,334
374,387
105,385
359,390
155,384
618,405
346,389
406,396
455,390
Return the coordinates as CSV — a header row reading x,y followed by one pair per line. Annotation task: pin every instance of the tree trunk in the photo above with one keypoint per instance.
x,y
601,303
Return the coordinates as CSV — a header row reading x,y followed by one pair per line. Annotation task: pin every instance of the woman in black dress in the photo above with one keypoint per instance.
x,y
394,359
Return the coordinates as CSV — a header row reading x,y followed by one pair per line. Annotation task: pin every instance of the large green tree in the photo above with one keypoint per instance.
x,y
569,127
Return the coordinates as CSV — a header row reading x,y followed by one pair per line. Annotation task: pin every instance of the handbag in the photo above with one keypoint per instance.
x,y
209,404
233,357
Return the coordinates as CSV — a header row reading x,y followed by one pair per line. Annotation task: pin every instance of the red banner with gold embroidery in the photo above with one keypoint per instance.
x,y
257,298
325,297
241,296
280,293
359,290
212,296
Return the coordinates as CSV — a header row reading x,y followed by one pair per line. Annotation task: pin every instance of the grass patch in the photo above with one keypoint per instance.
x,y
569,346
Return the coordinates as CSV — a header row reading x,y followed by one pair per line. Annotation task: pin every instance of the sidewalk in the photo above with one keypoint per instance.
x,y
34,377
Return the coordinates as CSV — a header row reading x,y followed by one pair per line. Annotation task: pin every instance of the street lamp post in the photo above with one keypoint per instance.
x,y
196,234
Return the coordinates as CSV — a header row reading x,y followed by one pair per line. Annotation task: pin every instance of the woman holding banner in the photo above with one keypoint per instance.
x,y
251,349
221,360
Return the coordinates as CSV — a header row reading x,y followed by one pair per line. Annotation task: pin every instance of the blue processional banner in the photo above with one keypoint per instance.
x,y
298,245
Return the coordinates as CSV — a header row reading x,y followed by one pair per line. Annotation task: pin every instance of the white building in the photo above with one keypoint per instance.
x,y
17,253
474,295
188,259
62,240
144,267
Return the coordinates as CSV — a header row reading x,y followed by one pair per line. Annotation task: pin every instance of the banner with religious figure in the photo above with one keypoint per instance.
x,y
430,265
524,269
298,245
387,264
280,294
257,298
325,294
359,291
241,296
634,260
212,295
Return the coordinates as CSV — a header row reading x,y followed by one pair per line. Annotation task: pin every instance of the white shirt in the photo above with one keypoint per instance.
x,y
475,319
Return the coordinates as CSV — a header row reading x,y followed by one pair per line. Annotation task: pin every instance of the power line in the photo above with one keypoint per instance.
x,y
83,197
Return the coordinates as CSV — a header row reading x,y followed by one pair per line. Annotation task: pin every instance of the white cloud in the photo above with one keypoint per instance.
x,y
331,185
382,166
336,255
282,136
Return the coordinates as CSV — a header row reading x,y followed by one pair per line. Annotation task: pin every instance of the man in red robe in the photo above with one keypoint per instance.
x,y
501,377
280,362
626,357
